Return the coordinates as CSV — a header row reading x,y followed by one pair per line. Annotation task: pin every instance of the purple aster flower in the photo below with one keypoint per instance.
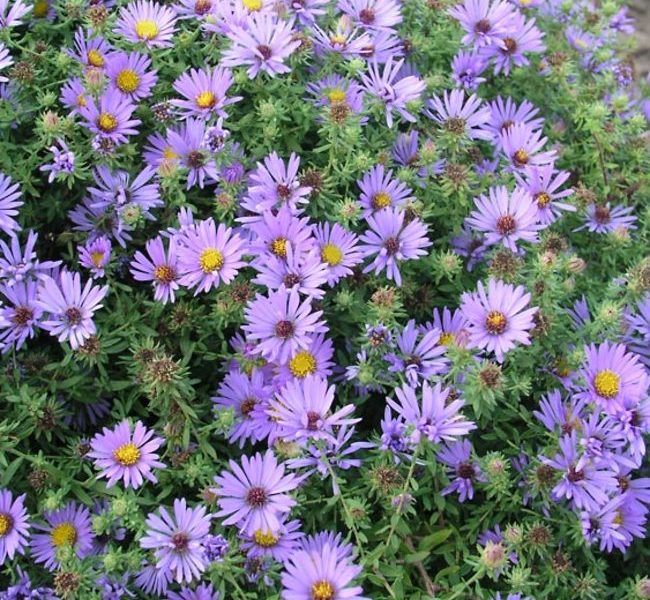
x,y
431,416
585,481
346,40
127,455
69,527
393,90
320,575
601,525
316,359
372,14
5,61
95,255
255,496
522,146
543,184
418,354
379,190
130,75
505,218
152,580
160,267
633,421
461,468
9,204
216,547
602,441
21,264
451,325
484,21
559,416
20,318
601,218
147,22
279,545
505,114
114,588
338,250
263,45
303,410
459,115
394,435
91,51
392,242
334,90
11,17
467,68
204,10
63,161
201,592
187,147
204,92
74,96
208,256
613,376
470,244
69,308
176,540
281,324
14,525
111,117
307,10
498,317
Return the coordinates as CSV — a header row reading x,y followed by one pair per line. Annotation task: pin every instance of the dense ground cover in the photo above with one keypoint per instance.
x,y
323,300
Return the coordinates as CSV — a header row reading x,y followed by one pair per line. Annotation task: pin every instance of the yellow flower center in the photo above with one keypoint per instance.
x,y
542,199
169,154
127,81
521,158
338,38
211,260
107,122
95,59
607,383
64,534
96,258
562,367
265,539
380,200
322,590
164,274
146,29
496,322
252,5
336,95
127,454
6,523
81,100
618,519
302,364
206,100
41,7
331,254
446,339
279,247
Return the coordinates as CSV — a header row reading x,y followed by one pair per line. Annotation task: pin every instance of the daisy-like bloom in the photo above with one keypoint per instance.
x,y
279,545
497,317
522,37
68,527
20,318
391,242
255,495
320,574
346,40
602,218
14,525
522,146
111,117
9,204
201,592
19,263
264,45
467,68
372,14
147,22
11,17
160,267
281,324
73,95
338,250
559,416
379,190
484,21
204,10
613,376
91,51
95,255
417,358
585,482
505,218
459,115
333,90
462,470
130,75
431,417
63,161
316,359
69,308
506,113
204,92
176,540
392,89
242,393
307,10
127,455
452,327
209,255
543,184
187,147
303,410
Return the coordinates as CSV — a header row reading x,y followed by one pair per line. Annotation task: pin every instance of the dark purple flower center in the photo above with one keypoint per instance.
x,y
265,51
510,44
482,26
195,159
466,470
180,541
506,225
284,191
623,483
247,406
367,16
22,316
256,497
284,329
73,316
202,7
291,279
602,214
312,420
392,245
413,359
574,475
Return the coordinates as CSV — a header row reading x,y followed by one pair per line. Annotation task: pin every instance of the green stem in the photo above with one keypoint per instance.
x,y
466,584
